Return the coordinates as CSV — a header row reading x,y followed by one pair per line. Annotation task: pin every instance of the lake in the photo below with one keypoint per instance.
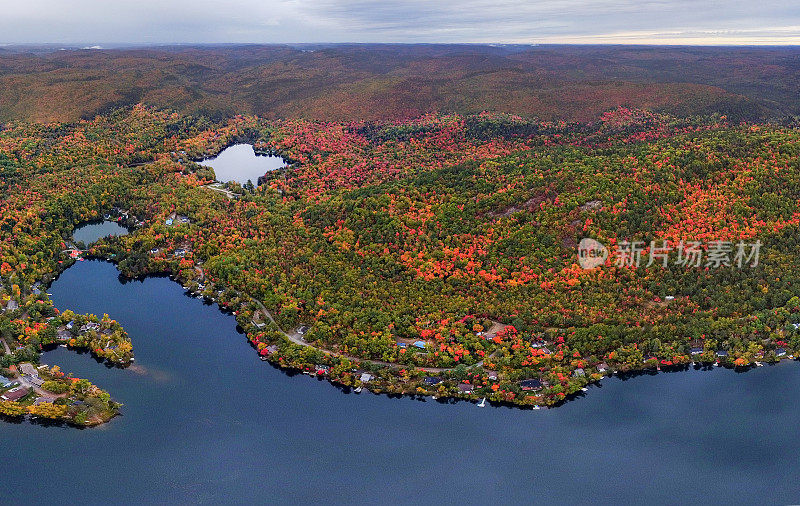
x,y
206,421
240,163
92,231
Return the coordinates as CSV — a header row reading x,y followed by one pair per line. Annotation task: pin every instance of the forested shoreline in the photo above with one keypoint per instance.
x,y
432,256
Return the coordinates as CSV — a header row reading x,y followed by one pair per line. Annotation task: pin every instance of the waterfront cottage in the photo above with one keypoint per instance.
x,y
722,354
15,394
696,351
579,373
365,377
465,388
780,352
530,384
432,380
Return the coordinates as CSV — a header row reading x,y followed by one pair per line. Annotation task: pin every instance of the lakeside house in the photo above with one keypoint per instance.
x,y
579,373
15,394
696,351
12,305
5,382
432,380
602,367
28,369
780,352
722,354
530,384
90,326
491,375
365,377
465,388
64,335
419,344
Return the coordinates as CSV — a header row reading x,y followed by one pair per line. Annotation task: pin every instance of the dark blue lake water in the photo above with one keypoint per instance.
x,y
93,231
206,421
240,163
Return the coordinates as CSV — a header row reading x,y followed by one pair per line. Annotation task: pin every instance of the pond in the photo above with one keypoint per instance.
x,y
92,231
206,421
240,163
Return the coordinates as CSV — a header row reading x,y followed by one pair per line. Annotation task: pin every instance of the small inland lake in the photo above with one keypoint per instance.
x,y
241,163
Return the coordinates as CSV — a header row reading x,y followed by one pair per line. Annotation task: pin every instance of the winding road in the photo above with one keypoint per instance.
x,y
297,338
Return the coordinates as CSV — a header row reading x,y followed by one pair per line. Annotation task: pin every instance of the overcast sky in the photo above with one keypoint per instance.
x,y
93,22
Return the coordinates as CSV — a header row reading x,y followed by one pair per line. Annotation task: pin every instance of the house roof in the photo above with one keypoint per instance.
x,y
15,394
530,384
432,380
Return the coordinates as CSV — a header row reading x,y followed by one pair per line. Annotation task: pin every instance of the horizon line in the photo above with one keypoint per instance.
x,y
115,45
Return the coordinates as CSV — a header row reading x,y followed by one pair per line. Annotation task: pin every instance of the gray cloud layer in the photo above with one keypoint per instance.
x,y
518,21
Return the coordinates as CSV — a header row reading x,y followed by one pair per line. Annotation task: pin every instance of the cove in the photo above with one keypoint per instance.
x,y
205,421
95,230
241,163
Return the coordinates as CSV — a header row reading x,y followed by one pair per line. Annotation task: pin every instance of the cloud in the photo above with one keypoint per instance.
x,y
513,21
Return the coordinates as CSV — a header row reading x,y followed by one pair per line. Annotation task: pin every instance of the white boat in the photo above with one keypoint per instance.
x,y
482,404
759,364
584,389
536,407
358,390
